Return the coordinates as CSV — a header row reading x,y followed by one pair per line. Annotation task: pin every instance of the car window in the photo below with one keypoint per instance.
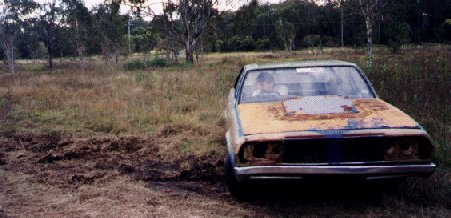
x,y
285,83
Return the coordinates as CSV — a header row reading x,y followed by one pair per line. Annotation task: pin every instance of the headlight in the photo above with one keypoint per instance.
x,y
262,152
401,149
409,148
389,149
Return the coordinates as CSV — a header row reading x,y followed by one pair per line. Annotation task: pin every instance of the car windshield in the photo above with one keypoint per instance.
x,y
285,83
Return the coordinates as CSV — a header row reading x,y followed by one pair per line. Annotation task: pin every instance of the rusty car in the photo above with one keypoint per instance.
x,y
304,119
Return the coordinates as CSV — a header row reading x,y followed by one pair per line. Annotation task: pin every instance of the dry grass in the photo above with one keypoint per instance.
x,y
105,99
181,109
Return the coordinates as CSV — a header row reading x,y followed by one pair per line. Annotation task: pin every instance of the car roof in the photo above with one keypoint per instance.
x,y
319,63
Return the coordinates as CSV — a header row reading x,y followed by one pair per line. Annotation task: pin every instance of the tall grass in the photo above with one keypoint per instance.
x,y
190,98
420,84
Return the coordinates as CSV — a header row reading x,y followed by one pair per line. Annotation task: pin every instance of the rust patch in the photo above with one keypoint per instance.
x,y
371,104
370,113
364,108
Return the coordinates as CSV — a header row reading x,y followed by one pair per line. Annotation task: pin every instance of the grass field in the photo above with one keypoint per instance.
x,y
64,115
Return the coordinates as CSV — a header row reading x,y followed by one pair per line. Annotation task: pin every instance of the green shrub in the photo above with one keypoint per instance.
x,y
158,62
34,67
135,65
263,44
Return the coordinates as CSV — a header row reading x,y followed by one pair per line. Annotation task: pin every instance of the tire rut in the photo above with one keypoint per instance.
x,y
69,162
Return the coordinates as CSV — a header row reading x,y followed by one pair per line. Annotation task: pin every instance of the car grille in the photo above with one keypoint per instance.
x,y
333,150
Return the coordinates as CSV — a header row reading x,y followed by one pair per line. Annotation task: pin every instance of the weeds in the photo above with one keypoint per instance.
x,y
153,63
419,85
191,98
135,65
158,62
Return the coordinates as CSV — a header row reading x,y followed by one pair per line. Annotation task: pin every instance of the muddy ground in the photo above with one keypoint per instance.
x,y
54,175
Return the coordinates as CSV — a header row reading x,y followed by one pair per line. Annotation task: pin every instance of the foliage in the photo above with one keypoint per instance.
x,y
158,62
446,29
135,65
13,17
193,18
78,19
109,30
46,27
263,44
400,34
143,39
312,40
236,43
287,32
68,28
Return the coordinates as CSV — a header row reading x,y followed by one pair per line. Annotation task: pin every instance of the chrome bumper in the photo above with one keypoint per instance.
x,y
298,172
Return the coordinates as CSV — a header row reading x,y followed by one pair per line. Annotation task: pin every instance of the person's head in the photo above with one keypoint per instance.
x,y
265,81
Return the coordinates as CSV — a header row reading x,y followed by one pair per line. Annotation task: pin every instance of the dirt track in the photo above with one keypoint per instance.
x,y
54,175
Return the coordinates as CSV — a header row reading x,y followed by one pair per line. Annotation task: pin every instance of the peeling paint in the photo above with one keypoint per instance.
x,y
258,118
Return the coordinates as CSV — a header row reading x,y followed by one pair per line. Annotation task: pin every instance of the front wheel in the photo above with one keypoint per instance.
x,y
239,190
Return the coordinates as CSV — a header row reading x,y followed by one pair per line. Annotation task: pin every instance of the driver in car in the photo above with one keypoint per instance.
x,y
265,86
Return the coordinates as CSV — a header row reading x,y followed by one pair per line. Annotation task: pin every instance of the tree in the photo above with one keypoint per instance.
x,y
8,32
399,33
370,10
285,28
78,19
144,39
46,26
287,33
109,25
12,17
28,45
342,22
186,20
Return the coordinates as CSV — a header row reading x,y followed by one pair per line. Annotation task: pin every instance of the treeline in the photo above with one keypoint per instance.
x,y
300,24
67,28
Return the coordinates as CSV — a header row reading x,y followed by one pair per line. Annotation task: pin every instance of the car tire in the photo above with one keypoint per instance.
x,y
239,190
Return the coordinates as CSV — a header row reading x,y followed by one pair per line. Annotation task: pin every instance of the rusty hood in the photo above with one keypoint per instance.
x,y
323,113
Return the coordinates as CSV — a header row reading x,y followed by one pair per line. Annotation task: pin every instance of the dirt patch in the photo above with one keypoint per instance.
x,y
64,161
127,176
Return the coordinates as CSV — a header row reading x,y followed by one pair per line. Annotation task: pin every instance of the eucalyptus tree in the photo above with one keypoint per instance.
x,y
287,32
46,26
12,18
109,26
186,20
288,16
78,19
370,10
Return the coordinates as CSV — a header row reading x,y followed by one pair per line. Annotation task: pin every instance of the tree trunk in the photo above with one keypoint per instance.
x,y
189,50
8,49
189,55
11,61
290,45
79,45
342,20
369,35
50,56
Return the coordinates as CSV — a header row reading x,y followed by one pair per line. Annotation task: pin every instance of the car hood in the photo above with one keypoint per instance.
x,y
274,117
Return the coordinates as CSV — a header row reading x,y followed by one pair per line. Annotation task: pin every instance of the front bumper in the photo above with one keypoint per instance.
x,y
366,172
